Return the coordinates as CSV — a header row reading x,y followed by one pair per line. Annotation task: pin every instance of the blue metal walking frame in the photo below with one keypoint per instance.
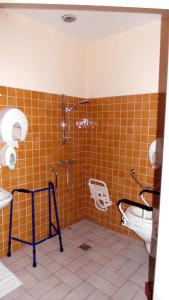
x,y
56,229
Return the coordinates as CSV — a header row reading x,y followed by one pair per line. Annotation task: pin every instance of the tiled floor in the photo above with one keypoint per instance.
x,y
115,267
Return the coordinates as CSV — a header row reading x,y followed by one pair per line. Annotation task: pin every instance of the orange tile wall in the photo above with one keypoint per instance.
x,y
35,157
126,126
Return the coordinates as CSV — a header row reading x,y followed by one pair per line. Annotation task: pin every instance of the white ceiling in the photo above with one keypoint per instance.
x,y
90,25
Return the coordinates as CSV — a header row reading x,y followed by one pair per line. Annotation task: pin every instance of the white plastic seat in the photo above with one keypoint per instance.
x,y
100,194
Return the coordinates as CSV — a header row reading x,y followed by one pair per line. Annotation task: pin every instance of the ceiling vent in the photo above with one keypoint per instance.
x,y
69,18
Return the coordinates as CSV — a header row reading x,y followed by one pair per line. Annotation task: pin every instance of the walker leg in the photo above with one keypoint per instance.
x,y
10,229
33,231
50,215
57,218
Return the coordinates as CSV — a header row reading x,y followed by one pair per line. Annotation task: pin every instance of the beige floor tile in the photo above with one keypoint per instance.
x,y
81,292
40,273
126,292
16,294
57,293
110,241
102,232
20,263
75,265
128,268
113,277
76,243
138,279
137,257
25,296
71,234
13,258
107,252
119,246
49,245
116,262
60,258
28,251
140,296
97,295
43,287
27,279
72,254
53,267
98,258
84,225
88,270
45,260
68,278
103,285
144,270
96,239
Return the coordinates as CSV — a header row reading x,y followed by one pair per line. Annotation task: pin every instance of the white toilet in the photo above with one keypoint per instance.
x,y
141,218
144,224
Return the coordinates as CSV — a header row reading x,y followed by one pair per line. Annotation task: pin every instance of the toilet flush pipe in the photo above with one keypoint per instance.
x,y
132,173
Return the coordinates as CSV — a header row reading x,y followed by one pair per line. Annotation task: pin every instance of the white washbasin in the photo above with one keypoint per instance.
x,y
5,198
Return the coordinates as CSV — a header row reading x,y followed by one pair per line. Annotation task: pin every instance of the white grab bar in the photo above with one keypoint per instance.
x,y
128,220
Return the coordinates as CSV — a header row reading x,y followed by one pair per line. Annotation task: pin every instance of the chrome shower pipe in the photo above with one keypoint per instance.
x,y
67,163
64,137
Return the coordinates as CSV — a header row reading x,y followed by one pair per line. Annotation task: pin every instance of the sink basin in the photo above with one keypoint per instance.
x,y
5,198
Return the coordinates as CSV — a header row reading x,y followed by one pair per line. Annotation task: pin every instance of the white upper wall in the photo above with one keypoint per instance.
x,y
36,57
33,56
126,63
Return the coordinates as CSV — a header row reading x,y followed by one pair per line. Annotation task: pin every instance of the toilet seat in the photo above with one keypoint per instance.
x,y
138,215
137,219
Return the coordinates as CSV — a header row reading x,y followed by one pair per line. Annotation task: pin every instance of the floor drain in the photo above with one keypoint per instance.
x,y
84,247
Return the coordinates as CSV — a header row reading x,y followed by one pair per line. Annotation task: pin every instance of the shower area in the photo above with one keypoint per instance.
x,y
106,138
68,126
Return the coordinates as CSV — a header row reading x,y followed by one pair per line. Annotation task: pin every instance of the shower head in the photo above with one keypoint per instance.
x,y
76,105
